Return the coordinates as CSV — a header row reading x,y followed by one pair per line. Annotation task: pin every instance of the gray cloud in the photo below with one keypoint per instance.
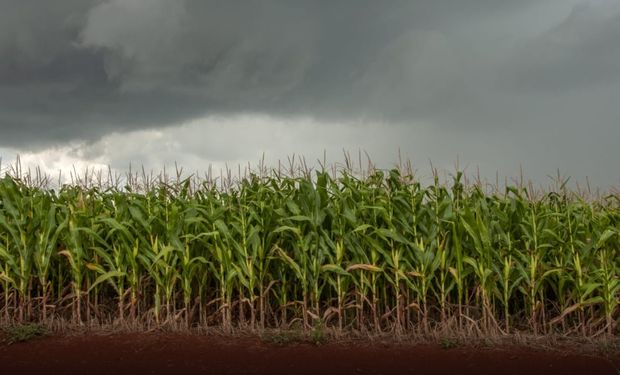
x,y
530,79
581,52
79,69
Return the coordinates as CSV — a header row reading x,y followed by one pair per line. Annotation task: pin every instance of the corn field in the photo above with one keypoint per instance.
x,y
374,253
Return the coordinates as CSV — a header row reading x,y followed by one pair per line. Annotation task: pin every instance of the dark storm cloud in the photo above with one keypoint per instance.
x,y
533,71
583,51
76,69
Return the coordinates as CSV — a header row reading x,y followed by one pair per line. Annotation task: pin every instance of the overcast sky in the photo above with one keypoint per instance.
x,y
496,84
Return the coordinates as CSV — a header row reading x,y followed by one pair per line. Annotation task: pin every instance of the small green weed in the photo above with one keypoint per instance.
x,y
448,343
24,332
318,336
282,338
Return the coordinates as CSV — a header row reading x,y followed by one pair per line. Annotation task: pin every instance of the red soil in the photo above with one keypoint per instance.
x,y
162,353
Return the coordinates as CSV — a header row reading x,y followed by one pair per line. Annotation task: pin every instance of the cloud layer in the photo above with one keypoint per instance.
x,y
514,74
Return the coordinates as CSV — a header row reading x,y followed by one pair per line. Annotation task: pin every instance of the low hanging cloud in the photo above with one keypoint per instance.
x,y
499,83
80,69
580,54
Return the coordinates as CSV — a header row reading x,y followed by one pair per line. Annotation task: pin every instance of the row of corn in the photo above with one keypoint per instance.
x,y
379,253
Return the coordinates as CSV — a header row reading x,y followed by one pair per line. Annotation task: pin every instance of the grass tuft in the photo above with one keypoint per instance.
x,y
282,338
447,343
24,332
318,336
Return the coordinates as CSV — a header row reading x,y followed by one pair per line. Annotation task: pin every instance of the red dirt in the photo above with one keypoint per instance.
x,y
162,353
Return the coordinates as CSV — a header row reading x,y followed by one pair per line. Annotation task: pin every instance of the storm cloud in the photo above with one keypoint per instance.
x,y
535,82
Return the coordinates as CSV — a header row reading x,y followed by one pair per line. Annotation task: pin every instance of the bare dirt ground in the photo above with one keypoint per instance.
x,y
167,353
